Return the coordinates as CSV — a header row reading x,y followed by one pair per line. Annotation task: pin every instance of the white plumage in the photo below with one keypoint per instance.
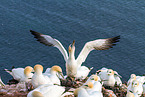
x,y
129,94
1,82
72,64
21,74
47,90
97,84
53,73
135,87
117,78
109,77
132,77
38,78
87,91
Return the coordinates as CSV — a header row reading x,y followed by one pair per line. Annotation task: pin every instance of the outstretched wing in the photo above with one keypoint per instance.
x,y
99,44
49,41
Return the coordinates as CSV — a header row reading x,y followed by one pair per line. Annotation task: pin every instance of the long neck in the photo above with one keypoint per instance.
x,y
110,77
38,72
53,72
72,54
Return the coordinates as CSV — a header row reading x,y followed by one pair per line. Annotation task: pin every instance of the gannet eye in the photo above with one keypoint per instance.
x,y
92,78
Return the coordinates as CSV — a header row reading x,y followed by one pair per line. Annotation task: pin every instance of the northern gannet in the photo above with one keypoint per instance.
x,y
53,74
47,90
132,77
110,78
39,78
135,87
21,74
97,84
92,78
72,64
87,91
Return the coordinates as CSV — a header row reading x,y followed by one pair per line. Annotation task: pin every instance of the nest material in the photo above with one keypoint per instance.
x,y
13,91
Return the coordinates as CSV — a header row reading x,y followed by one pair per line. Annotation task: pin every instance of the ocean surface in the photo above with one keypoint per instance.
x,y
68,20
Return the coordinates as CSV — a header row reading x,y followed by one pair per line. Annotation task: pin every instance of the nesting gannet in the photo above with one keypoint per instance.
x,y
110,78
52,73
47,90
132,77
104,75
73,64
38,78
87,91
135,87
92,78
21,74
97,84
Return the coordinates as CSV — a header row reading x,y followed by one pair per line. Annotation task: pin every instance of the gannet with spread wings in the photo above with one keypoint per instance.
x,y
74,65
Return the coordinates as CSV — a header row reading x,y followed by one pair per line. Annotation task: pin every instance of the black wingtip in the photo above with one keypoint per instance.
x,y
115,39
32,31
35,33
40,38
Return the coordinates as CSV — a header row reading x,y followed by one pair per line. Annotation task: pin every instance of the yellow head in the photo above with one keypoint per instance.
x,y
37,94
110,72
38,67
56,68
28,70
72,47
133,76
95,77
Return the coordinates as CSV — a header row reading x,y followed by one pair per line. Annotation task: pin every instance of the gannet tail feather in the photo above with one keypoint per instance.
x,y
8,71
49,41
99,44
1,82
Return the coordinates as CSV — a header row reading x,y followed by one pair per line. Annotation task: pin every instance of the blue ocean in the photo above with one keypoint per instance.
x,y
68,20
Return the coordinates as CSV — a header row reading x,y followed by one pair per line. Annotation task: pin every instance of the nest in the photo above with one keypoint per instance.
x,y
12,90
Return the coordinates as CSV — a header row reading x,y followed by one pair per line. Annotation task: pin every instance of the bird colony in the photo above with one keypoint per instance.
x,y
34,82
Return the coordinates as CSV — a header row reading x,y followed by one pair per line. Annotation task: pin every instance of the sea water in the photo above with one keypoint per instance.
x,y
68,20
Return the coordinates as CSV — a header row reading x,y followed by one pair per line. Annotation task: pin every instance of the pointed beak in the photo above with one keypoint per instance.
x,y
119,75
61,74
73,43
